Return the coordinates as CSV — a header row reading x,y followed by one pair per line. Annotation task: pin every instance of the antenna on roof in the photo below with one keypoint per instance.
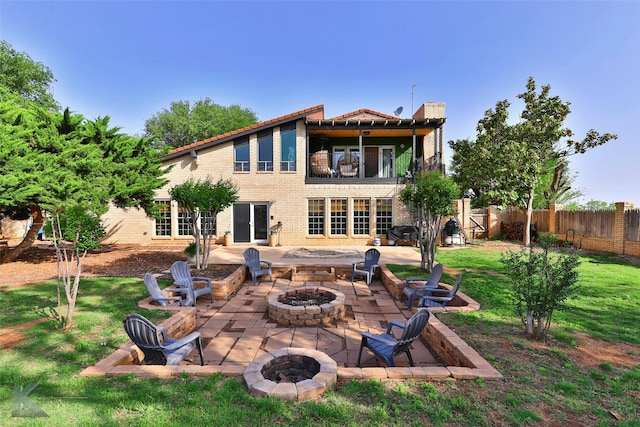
x,y
398,111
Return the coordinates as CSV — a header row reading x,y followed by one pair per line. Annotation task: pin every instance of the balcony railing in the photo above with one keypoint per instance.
x,y
326,165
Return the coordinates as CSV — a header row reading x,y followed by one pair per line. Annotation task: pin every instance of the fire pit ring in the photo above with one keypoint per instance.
x,y
307,306
291,373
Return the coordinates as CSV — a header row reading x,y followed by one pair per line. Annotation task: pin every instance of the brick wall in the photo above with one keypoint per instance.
x,y
285,193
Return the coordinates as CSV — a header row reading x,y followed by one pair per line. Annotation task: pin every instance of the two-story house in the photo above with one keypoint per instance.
x,y
329,181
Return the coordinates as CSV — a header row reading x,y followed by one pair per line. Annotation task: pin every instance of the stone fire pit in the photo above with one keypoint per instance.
x,y
291,373
308,306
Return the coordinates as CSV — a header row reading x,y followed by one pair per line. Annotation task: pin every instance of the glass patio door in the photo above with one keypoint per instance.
x,y
250,222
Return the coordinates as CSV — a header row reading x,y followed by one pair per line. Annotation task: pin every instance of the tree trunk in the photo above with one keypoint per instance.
x,y
32,233
527,226
423,250
529,325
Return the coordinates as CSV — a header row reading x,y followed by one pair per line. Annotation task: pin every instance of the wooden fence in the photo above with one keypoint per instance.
x,y
604,230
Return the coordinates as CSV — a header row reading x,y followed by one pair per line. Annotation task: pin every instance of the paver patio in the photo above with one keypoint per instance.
x,y
236,331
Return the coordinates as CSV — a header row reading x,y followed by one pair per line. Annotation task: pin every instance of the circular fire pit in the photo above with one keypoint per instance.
x,y
314,306
291,373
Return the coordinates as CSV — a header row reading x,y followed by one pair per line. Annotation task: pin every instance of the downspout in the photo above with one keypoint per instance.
x,y
307,163
413,151
360,160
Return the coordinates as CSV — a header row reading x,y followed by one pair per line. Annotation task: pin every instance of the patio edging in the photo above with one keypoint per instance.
x,y
463,362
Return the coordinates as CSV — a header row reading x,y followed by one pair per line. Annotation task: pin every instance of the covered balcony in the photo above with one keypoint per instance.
x,y
370,148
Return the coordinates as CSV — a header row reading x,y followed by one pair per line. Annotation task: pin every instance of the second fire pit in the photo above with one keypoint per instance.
x,y
312,306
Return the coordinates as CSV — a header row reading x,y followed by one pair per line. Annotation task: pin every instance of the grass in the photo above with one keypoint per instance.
x,y
543,383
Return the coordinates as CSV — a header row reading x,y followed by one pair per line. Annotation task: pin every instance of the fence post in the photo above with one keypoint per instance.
x,y
619,232
553,208
493,229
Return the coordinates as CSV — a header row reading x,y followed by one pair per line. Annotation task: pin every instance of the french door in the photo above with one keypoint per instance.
x,y
250,223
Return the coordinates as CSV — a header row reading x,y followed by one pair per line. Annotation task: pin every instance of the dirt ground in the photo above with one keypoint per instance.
x,y
39,264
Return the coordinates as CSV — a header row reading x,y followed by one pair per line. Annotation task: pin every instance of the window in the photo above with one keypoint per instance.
x,y
384,216
241,155
209,223
316,217
288,147
339,216
163,221
361,216
265,150
184,222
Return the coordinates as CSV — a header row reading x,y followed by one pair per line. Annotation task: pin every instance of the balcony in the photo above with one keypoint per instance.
x,y
349,166
377,166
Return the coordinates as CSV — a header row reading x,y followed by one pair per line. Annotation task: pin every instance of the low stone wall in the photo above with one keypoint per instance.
x,y
222,289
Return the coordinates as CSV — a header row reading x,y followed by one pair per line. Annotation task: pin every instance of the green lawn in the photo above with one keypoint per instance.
x,y
543,384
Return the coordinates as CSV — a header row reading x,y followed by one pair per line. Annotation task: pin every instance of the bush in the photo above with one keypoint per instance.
x,y
541,282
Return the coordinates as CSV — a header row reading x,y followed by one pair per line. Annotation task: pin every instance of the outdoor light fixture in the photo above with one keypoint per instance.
x,y
196,157
279,229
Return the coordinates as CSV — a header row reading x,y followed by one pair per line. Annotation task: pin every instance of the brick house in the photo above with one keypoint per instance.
x,y
329,181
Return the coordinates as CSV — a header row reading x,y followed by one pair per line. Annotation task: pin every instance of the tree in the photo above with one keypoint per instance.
x,y
506,163
75,231
591,205
72,169
56,160
184,124
556,186
541,283
432,196
20,75
204,199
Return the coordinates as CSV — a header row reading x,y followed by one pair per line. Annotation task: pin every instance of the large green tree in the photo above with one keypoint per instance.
x,y
183,123
506,162
51,161
432,196
21,75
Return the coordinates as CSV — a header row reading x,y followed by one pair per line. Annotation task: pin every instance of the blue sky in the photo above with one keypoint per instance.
x,y
129,60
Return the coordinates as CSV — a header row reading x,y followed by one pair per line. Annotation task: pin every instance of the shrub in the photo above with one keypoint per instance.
x,y
541,283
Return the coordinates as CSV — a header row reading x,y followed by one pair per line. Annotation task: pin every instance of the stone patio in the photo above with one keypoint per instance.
x,y
237,331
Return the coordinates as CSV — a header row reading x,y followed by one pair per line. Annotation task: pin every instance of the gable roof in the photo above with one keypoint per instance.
x,y
316,112
364,113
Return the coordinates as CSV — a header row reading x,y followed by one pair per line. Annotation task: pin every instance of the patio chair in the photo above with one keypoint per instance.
x,y
320,163
439,297
159,296
386,347
411,290
181,273
157,347
257,267
371,260
348,165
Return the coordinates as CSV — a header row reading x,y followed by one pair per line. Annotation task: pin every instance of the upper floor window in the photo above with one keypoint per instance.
x,y
163,221
241,155
265,150
288,147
